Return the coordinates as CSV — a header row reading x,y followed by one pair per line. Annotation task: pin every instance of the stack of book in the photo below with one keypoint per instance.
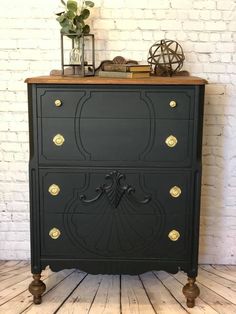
x,y
125,70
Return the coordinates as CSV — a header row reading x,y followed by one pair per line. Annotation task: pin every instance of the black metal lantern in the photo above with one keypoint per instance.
x,y
77,54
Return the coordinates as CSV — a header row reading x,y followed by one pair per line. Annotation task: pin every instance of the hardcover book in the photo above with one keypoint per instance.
x,y
127,67
123,74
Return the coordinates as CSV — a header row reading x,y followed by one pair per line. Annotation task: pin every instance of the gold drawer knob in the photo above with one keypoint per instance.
x,y
173,104
174,235
58,140
58,103
54,233
171,141
175,191
54,189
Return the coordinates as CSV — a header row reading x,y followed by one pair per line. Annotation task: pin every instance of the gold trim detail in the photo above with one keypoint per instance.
x,y
175,191
173,104
174,235
58,140
171,141
54,233
54,189
58,103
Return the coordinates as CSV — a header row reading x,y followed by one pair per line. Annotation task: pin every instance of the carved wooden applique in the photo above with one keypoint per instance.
x,y
115,191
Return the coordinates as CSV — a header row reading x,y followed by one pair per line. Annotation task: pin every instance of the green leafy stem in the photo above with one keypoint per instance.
x,y
72,20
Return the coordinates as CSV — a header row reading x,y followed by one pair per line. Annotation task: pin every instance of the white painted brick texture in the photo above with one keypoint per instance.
x,y
30,46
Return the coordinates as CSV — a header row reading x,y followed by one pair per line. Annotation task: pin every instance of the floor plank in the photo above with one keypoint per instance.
x,y
225,269
107,299
232,267
12,265
82,298
231,284
161,299
219,272
211,282
14,272
15,279
133,297
2,263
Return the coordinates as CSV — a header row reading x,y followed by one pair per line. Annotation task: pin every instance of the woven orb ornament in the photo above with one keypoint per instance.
x,y
166,57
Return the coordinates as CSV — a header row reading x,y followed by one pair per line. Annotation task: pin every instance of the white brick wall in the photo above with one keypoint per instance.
x,y
29,46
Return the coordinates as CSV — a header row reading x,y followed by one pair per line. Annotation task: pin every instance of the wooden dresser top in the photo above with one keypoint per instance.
x,y
176,80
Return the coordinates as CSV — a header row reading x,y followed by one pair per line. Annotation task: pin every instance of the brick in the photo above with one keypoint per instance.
x,y
137,4
192,25
205,15
226,5
224,78
216,15
215,26
204,47
147,24
215,89
204,37
114,3
151,14
167,25
182,36
193,36
181,4
146,35
214,37
15,206
17,236
226,36
124,25
135,45
204,57
153,4
104,24
228,16
4,126
194,14
226,57
206,4
116,45
225,47
215,57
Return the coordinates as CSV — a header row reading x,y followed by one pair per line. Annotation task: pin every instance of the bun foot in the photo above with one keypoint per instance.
x,y
191,292
37,288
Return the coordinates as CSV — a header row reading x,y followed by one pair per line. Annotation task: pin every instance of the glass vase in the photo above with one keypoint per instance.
x,y
76,52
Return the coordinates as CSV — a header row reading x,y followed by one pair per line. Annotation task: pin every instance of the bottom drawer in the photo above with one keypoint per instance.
x,y
114,236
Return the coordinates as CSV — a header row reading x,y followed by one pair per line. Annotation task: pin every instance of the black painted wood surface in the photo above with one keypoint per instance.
x,y
115,172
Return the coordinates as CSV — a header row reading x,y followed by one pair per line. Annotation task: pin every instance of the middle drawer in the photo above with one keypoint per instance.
x,y
169,192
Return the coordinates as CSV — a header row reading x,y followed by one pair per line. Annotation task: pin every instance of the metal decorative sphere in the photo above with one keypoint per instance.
x,y
166,57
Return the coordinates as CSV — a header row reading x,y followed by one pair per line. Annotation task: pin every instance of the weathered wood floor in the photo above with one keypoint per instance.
x,y
72,291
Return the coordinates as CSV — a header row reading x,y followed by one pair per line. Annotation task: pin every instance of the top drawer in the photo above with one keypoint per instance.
x,y
162,102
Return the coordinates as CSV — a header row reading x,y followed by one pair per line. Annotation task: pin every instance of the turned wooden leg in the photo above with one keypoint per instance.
x,y
37,288
191,291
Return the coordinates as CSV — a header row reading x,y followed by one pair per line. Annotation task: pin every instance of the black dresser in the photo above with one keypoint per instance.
x,y
115,175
